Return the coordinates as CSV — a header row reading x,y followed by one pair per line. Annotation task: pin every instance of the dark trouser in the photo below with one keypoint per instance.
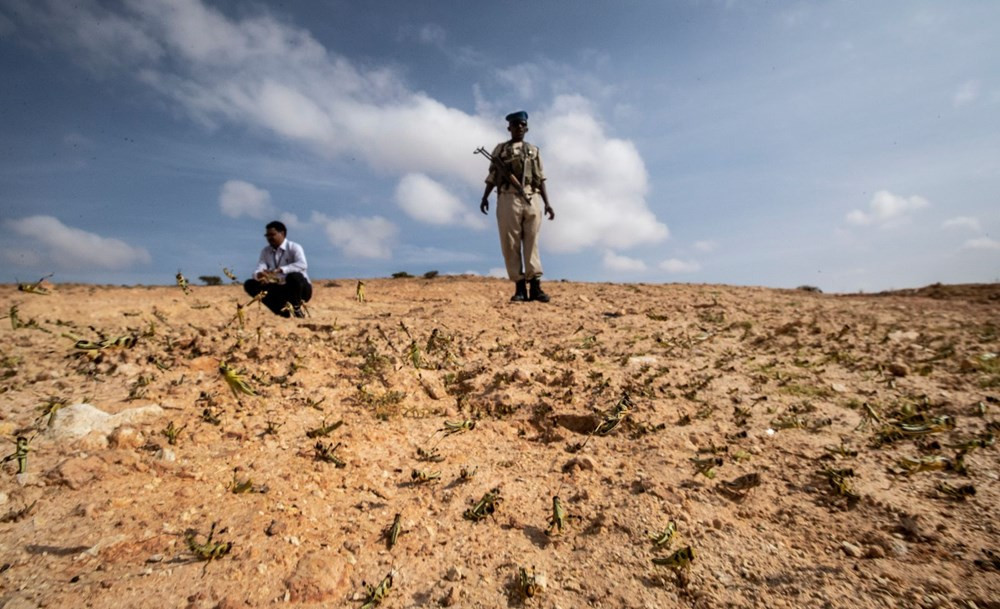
x,y
295,290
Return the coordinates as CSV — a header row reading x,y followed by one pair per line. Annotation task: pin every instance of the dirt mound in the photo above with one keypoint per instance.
x,y
710,446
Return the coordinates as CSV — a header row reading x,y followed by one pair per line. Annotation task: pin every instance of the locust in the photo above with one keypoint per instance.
x,y
420,476
706,467
172,432
558,518
464,473
327,454
207,551
842,450
392,531
236,382
324,430
740,487
21,450
374,595
432,455
897,430
527,584
455,427
484,507
913,465
211,415
15,321
664,537
868,417
49,409
182,282
957,492
840,484
681,559
35,288
360,291
271,426
413,353
239,487
229,274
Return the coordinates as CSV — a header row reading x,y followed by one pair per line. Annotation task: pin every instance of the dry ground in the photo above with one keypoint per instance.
x,y
773,382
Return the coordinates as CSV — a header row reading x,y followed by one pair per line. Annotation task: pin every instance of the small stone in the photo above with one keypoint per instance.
x,y
454,574
582,462
318,577
126,437
716,523
450,598
838,387
521,376
277,527
875,552
166,454
155,558
851,550
898,369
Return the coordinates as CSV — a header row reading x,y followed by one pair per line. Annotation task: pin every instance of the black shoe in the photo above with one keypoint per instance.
x,y
536,291
520,292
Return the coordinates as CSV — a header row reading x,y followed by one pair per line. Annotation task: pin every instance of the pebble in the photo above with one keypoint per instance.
x,y
454,574
851,550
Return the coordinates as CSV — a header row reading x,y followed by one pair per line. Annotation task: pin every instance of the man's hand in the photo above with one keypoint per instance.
x,y
549,212
484,206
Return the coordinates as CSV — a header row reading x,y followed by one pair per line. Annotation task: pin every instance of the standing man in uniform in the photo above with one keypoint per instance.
x,y
518,218
281,271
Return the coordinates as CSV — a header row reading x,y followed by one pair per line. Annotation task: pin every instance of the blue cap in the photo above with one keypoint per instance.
x,y
517,117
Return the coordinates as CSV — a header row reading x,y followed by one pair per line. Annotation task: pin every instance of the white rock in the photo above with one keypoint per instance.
x,y
81,419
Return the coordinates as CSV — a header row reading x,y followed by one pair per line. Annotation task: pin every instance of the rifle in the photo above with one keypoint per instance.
x,y
504,172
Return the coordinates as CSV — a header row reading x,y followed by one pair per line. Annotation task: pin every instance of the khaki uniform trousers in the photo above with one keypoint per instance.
x,y
519,222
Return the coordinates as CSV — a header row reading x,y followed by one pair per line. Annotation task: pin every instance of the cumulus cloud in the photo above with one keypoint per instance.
x,y
674,265
982,243
259,73
428,201
72,248
624,264
497,272
359,237
705,246
238,198
963,222
598,182
886,209
967,93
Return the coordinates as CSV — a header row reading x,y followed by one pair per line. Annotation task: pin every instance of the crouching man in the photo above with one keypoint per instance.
x,y
281,272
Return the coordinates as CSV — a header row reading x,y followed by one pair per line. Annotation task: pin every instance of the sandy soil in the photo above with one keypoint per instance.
x,y
780,383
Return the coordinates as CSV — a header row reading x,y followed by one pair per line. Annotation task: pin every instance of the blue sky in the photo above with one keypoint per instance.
x,y
846,145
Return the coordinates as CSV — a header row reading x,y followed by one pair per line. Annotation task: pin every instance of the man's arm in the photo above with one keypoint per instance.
x,y
545,199
484,205
298,263
261,264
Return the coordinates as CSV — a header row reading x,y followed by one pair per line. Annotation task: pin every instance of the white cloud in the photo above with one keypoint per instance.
x,y
359,237
615,262
967,93
886,209
72,248
238,198
257,72
674,265
428,201
597,184
963,222
497,272
705,246
982,243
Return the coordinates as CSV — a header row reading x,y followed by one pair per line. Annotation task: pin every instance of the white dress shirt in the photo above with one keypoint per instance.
x,y
289,257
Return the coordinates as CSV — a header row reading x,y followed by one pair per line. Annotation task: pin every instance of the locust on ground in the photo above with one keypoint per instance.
x,y
681,559
172,432
235,381
527,584
420,476
392,531
664,537
374,595
327,454
485,507
324,430
209,550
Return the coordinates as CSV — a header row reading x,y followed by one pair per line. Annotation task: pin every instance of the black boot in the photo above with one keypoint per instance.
x,y
536,291
520,293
